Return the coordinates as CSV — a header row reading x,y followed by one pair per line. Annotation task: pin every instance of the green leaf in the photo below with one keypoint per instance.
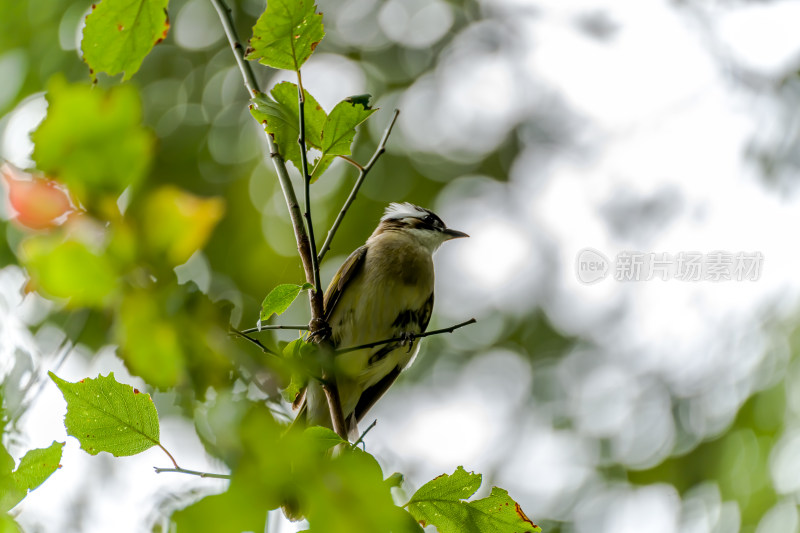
x,y
174,335
281,118
440,503
297,353
279,299
395,480
69,269
8,525
323,437
362,99
108,416
458,486
120,33
149,342
34,468
37,465
339,131
498,512
233,511
6,461
92,140
286,34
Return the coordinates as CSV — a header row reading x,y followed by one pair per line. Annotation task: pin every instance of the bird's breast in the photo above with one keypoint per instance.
x,y
388,297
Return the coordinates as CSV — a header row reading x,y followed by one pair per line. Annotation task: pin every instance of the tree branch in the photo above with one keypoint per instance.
x,y
408,338
257,342
363,434
362,175
304,246
179,470
226,17
273,326
316,296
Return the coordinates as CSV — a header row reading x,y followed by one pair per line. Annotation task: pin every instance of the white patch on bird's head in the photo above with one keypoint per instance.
x,y
396,211
424,225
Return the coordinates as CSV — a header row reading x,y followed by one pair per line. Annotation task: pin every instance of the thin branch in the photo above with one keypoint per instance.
x,y
363,434
328,382
362,175
226,17
304,245
331,391
408,338
301,140
179,470
273,326
257,342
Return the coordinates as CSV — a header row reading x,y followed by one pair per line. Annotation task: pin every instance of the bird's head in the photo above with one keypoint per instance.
x,y
418,222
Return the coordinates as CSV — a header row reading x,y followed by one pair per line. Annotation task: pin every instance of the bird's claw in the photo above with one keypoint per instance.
x,y
408,338
320,329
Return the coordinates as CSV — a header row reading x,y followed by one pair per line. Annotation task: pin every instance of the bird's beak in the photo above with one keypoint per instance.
x,y
454,234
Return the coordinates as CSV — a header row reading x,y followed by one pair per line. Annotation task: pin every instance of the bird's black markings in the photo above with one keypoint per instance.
x,y
382,353
407,318
415,317
425,314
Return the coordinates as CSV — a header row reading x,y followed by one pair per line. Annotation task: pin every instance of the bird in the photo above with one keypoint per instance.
x,y
383,290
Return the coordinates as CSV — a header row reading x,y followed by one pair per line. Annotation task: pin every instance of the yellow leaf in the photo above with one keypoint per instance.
x,y
177,223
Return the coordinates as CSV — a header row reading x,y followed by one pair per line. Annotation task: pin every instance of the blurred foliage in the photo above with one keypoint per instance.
x,y
169,167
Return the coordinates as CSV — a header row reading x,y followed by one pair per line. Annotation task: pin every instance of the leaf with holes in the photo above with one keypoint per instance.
x,y
108,416
440,503
286,34
339,131
120,33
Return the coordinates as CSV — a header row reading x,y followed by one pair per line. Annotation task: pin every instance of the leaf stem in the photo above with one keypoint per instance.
x,y
352,162
179,470
169,455
451,329
273,326
362,175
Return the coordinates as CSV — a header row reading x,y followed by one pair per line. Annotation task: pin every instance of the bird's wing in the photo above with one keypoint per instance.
x,y
346,272
425,314
374,393
344,275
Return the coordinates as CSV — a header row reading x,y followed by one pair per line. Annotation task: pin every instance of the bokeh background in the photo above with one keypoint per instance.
x,y
539,127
